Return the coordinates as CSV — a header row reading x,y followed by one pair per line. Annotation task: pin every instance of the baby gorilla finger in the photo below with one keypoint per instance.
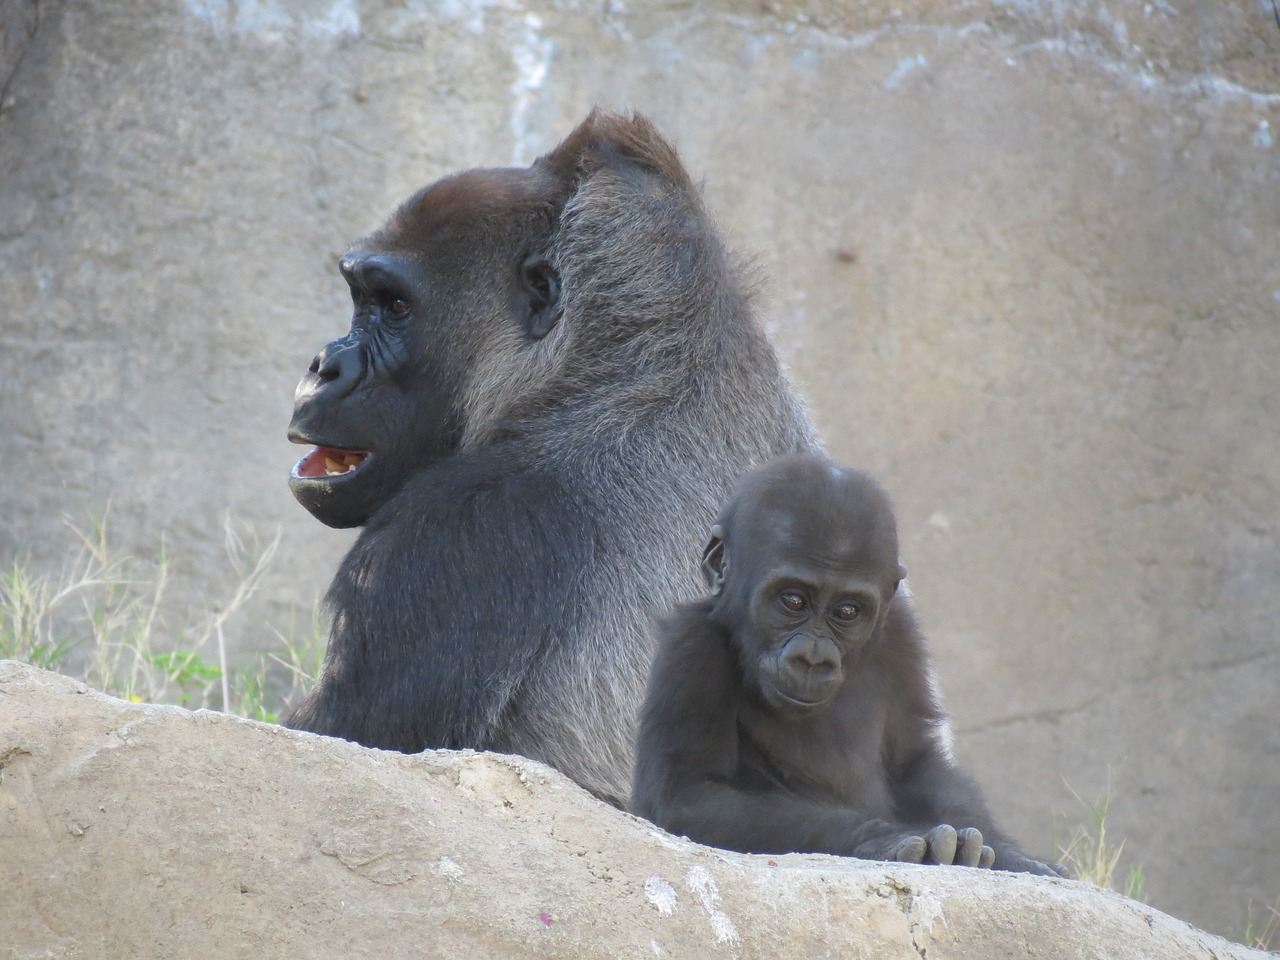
x,y
942,844
1051,868
910,849
1019,862
969,847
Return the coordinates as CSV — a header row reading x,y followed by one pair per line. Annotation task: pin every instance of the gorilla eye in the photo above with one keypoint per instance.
x,y
398,308
792,601
847,612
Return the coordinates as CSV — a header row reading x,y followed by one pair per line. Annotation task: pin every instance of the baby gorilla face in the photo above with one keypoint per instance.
x,y
805,622
803,564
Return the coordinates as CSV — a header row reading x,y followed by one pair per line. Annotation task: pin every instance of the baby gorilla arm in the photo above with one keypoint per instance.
x,y
715,811
930,788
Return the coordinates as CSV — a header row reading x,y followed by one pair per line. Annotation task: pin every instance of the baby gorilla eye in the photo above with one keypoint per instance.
x,y
846,612
792,601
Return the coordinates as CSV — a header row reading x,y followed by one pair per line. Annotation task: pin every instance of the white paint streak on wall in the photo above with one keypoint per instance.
x,y
613,19
905,66
471,11
214,12
1203,86
661,894
278,21
532,58
342,20
700,881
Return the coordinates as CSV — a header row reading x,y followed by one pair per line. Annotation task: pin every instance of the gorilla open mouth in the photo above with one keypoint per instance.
x,y
329,463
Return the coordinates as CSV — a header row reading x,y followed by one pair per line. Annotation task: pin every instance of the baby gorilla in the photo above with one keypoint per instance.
x,y
794,710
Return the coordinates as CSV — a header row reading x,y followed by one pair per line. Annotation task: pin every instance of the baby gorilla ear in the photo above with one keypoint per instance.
x,y
715,565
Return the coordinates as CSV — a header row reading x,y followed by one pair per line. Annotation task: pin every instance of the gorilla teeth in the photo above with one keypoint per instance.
x,y
334,468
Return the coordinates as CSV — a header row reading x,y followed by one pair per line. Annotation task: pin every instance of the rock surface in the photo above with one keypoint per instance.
x,y
140,830
1020,254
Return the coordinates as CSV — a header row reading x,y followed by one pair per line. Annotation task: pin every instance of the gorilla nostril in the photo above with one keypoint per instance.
x,y
809,658
330,364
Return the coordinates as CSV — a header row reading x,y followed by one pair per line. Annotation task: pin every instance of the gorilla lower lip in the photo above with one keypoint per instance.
x,y
801,703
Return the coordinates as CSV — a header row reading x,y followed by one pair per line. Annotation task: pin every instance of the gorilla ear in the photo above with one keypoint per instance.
x,y
715,565
541,284
902,575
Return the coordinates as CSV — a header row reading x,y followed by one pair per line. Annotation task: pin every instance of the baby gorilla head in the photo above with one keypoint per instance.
x,y
803,564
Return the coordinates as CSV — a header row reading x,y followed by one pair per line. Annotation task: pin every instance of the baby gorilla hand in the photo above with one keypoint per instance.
x,y
942,844
963,848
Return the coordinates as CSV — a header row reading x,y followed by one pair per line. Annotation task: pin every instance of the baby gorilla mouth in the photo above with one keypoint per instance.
x,y
328,462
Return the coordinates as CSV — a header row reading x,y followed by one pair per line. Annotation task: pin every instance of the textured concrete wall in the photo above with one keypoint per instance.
x,y
1022,255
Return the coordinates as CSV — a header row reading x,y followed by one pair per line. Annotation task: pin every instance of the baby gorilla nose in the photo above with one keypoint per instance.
x,y
808,671
814,658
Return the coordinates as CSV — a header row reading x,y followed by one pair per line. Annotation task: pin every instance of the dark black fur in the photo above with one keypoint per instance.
x,y
795,709
552,379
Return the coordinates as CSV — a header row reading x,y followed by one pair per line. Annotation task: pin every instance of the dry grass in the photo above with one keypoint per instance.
x,y
1092,854
1262,928
105,612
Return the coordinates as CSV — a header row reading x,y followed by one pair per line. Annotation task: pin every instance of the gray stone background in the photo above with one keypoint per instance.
x,y
1023,257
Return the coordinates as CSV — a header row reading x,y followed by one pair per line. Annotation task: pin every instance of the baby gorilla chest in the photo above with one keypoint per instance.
x,y
836,756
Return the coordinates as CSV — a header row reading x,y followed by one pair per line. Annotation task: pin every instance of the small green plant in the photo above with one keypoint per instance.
x,y
189,672
1092,856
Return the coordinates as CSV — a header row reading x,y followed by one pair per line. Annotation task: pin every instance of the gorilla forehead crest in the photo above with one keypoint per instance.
x,y
845,514
470,201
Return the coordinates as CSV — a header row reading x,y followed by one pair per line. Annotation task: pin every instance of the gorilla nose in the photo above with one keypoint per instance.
x,y
337,361
815,672
336,370
810,659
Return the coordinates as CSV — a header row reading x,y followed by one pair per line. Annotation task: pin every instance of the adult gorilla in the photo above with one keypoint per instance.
x,y
552,380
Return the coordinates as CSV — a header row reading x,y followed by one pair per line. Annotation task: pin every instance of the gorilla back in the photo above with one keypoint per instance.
x,y
552,379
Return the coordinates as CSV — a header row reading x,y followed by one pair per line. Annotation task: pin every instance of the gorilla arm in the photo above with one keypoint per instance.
x,y
928,786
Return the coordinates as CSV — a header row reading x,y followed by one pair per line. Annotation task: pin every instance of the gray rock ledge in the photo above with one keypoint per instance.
x,y
142,830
